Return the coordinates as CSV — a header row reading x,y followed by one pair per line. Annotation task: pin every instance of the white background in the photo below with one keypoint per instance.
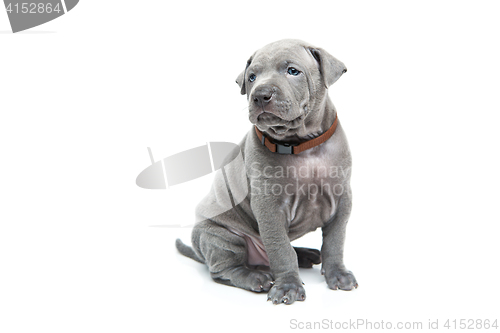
x,y
82,97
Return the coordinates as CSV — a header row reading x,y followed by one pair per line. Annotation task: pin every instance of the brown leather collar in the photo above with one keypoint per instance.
x,y
297,149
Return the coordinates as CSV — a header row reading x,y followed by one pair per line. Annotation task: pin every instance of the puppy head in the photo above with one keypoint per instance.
x,y
286,83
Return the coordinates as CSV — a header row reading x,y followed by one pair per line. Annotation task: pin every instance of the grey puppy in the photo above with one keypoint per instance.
x,y
248,246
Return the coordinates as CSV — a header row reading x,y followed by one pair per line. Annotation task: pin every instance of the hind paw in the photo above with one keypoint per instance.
x,y
307,257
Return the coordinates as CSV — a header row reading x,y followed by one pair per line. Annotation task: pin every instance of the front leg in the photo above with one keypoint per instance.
x,y
287,287
332,251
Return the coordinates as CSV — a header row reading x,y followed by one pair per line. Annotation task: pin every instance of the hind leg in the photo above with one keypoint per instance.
x,y
225,254
307,257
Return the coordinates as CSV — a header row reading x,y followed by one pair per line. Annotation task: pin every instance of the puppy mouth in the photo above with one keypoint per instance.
x,y
279,129
279,126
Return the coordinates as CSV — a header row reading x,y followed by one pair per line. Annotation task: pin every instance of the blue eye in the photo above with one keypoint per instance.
x,y
252,77
293,71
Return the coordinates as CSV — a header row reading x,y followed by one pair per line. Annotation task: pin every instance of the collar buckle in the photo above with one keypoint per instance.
x,y
285,149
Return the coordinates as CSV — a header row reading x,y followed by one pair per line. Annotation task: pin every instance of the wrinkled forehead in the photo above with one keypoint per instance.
x,y
274,57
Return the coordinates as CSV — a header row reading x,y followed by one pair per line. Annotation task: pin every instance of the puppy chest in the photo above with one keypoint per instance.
x,y
310,201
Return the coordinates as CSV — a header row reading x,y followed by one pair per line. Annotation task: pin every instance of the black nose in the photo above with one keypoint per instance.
x,y
262,95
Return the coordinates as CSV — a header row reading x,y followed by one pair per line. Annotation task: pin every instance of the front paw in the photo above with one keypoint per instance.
x,y
287,291
340,279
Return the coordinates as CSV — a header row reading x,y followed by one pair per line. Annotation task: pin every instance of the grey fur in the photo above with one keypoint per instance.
x,y
292,109
187,251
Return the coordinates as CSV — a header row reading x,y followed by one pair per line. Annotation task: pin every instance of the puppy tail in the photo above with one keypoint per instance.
x,y
187,250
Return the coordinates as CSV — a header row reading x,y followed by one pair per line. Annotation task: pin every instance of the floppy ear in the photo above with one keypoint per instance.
x,y
331,69
240,80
